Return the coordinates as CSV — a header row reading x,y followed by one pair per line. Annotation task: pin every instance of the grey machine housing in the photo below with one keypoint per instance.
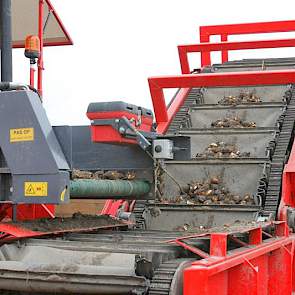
x,y
36,159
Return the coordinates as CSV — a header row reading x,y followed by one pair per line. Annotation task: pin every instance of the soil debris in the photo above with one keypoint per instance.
x,y
221,149
160,183
236,226
242,98
76,222
210,192
232,122
112,175
79,174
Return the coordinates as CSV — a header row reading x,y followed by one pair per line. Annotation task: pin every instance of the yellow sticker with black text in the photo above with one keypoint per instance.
x,y
22,134
36,189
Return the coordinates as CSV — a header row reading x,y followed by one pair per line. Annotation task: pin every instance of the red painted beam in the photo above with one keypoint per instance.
x,y
69,39
158,84
224,54
222,79
241,29
183,50
249,28
256,270
255,44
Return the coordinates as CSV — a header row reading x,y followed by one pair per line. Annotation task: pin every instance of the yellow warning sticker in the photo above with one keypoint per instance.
x,y
21,134
62,195
36,189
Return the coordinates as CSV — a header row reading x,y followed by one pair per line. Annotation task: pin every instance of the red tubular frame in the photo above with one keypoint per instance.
x,y
69,39
32,76
40,59
158,84
260,267
241,29
207,48
111,207
42,44
164,116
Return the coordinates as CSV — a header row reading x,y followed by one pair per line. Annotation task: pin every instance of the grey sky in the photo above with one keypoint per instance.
x,y
119,43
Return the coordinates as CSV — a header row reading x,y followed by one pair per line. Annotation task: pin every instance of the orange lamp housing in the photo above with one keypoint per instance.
x,y
32,47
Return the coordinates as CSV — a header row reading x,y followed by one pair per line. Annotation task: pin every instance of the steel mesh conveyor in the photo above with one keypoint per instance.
x,y
269,142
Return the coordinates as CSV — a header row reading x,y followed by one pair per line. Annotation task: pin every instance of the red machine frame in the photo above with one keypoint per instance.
x,y
164,116
207,48
42,44
261,266
157,85
240,29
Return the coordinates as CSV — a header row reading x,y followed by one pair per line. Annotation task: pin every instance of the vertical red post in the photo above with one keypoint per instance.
x,y
205,56
281,229
280,272
218,244
255,236
159,103
224,53
32,76
183,58
40,33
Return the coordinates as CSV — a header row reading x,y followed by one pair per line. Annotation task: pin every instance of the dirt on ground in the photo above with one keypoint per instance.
x,y
237,226
76,222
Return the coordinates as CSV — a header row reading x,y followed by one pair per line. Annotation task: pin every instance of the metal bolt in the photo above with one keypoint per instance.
x,y
122,130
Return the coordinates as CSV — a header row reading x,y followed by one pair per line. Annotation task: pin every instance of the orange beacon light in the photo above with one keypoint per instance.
x,y
32,51
32,47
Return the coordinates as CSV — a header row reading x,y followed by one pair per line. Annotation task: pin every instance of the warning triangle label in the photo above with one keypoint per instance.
x,y
36,189
30,190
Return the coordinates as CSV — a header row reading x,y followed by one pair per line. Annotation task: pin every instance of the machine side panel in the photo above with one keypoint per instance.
x,y
39,152
83,154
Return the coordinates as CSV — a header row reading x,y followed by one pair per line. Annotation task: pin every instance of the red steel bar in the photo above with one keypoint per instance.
x,y
158,84
183,50
32,76
59,43
241,29
249,28
40,59
224,53
265,269
205,57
